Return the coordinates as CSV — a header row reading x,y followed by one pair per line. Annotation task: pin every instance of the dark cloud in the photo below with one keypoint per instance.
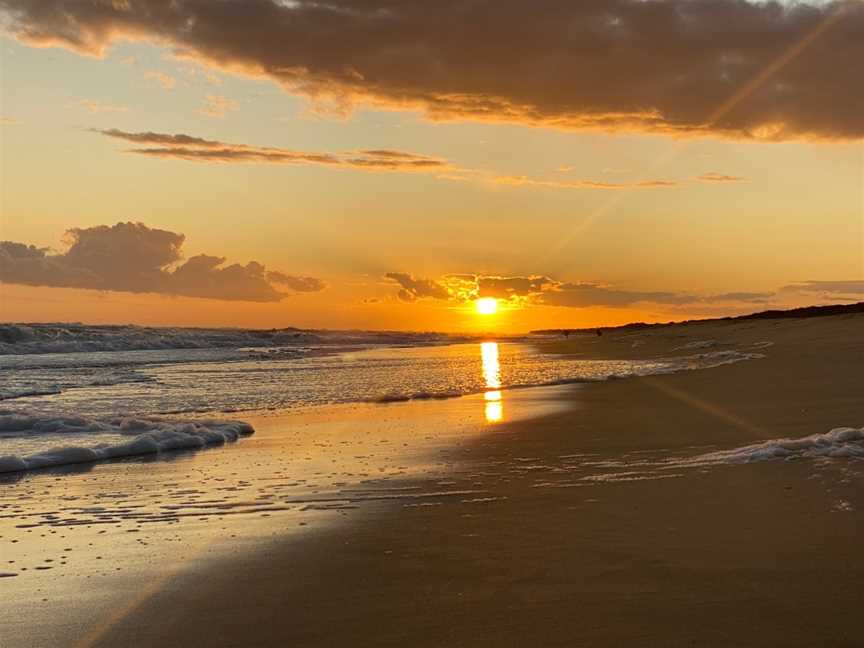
x,y
508,287
852,288
582,295
26,264
734,68
543,290
299,284
160,139
414,289
196,149
749,297
132,257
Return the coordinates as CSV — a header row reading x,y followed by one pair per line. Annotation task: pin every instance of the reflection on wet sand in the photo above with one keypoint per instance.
x,y
492,377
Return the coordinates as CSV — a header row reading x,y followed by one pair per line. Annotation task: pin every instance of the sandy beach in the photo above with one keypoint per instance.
x,y
580,523
418,324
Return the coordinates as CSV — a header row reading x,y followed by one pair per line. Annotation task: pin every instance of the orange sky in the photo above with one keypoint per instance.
x,y
362,168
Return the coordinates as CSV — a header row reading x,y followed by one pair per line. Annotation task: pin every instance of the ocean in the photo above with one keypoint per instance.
x,y
78,393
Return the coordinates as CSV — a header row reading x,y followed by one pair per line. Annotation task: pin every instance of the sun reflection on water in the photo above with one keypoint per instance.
x,y
492,376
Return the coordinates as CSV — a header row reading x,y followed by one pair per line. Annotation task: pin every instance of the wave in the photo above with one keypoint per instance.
x,y
398,397
18,339
843,442
638,368
129,437
838,443
74,338
56,381
10,394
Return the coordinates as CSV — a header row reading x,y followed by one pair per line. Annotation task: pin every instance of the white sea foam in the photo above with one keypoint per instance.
x,y
713,359
840,443
844,442
77,338
697,344
99,439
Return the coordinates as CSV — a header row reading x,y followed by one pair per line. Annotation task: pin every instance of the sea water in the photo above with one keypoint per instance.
x,y
70,394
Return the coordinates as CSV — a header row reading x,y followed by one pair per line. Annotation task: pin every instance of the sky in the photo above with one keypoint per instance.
x,y
380,164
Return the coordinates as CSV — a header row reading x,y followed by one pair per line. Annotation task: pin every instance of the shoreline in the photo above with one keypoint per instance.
x,y
528,547
750,555
172,431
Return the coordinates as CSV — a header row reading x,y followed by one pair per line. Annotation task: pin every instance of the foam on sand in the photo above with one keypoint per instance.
x,y
843,442
839,443
149,435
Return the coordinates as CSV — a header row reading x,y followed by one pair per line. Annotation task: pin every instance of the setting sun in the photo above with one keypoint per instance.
x,y
486,305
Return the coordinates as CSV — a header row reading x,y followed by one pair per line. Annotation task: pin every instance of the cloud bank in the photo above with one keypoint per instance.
x,y
131,257
545,291
733,68
851,290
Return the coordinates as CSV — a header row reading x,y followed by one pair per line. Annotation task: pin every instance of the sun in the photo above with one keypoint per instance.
x,y
486,306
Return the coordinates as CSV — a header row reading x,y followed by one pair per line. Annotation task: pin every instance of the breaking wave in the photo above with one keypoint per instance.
x,y
82,338
98,439
843,442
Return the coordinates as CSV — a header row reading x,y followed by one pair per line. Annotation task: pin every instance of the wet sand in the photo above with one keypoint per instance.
x,y
558,535
81,547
